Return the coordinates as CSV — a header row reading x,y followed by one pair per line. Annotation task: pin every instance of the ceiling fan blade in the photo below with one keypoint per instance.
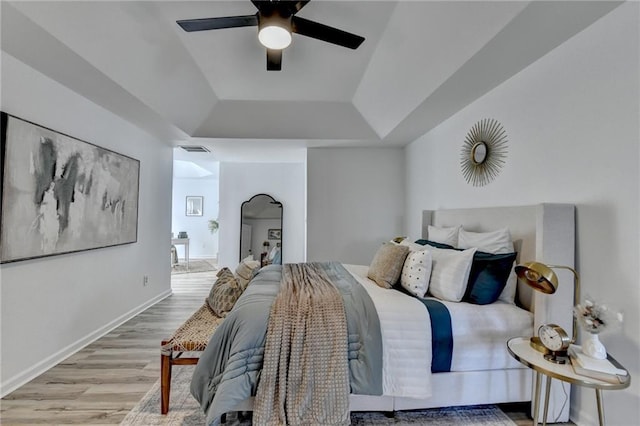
x,y
325,33
204,24
274,60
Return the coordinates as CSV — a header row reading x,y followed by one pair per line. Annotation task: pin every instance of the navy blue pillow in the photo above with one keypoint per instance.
x,y
435,244
488,276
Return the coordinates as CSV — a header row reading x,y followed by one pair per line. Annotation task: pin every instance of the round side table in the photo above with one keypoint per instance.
x,y
521,350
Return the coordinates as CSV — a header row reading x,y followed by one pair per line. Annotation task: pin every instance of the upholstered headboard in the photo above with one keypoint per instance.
x,y
543,232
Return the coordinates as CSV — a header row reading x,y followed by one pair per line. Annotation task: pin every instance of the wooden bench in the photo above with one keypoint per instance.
x,y
192,336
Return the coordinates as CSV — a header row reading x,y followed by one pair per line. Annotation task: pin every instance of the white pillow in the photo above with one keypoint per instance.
x,y
450,273
416,272
494,242
273,252
443,235
509,292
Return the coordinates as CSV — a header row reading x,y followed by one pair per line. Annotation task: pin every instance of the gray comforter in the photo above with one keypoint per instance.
x,y
229,369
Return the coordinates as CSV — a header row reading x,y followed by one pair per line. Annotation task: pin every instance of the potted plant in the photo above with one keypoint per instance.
x,y
213,225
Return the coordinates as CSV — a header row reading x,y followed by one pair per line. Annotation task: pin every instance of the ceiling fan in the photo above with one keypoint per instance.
x,y
276,20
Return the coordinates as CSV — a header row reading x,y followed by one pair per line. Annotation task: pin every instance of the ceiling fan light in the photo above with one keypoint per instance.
x,y
274,37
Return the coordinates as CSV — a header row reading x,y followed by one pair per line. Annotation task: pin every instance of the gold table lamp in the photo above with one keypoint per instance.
x,y
541,278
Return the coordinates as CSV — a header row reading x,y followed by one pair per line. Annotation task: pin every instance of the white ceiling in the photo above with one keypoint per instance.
x,y
421,62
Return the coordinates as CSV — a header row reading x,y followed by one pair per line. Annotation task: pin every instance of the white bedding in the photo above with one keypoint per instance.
x,y
479,332
405,326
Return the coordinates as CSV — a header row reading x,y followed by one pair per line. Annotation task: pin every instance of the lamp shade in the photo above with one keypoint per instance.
x,y
541,278
274,37
538,276
274,30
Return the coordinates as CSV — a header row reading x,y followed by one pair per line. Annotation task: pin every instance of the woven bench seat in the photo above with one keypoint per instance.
x,y
192,336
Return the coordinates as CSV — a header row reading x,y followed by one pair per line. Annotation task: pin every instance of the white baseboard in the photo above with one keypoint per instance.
x,y
20,379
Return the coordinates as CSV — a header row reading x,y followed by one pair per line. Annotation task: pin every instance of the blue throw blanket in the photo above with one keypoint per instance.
x,y
229,369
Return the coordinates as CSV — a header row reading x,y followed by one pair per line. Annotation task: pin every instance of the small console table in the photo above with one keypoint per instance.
x,y
184,242
520,349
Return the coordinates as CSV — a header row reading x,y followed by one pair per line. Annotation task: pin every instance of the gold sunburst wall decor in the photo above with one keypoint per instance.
x,y
483,152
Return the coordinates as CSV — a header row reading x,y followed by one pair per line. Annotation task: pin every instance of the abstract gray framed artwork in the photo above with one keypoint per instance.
x,y
62,195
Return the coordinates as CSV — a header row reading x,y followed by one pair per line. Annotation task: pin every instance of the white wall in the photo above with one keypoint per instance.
x,y
53,306
355,202
572,120
202,244
283,181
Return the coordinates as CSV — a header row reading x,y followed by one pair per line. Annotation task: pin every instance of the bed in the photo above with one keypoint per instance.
x,y
481,371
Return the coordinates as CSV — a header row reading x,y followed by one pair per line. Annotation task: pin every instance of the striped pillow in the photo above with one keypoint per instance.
x,y
450,273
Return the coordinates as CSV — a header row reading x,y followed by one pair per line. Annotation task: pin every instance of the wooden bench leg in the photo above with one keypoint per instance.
x,y
165,383
203,316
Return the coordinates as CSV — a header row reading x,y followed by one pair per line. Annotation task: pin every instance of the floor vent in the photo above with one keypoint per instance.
x,y
194,148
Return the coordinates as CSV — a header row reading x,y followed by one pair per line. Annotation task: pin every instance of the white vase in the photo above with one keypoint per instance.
x,y
593,347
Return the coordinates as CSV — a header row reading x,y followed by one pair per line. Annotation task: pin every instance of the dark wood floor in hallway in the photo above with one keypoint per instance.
x,y
103,381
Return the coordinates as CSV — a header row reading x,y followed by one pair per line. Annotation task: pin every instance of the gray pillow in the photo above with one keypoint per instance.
x,y
386,265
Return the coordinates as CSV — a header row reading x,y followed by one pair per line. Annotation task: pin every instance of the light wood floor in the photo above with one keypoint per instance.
x,y
103,381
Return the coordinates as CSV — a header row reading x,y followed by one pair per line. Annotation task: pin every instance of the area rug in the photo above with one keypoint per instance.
x,y
185,411
194,266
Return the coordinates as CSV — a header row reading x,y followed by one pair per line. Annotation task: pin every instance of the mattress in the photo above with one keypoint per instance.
x,y
480,332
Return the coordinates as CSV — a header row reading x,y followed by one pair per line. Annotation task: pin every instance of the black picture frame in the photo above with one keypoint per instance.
x,y
274,234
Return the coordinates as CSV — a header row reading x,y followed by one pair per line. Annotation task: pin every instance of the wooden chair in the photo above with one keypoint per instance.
x,y
192,336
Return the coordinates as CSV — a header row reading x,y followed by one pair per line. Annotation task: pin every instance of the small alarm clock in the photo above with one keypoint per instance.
x,y
556,341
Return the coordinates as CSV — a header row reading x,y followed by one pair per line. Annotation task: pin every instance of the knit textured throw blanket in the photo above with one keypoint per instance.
x,y
305,376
